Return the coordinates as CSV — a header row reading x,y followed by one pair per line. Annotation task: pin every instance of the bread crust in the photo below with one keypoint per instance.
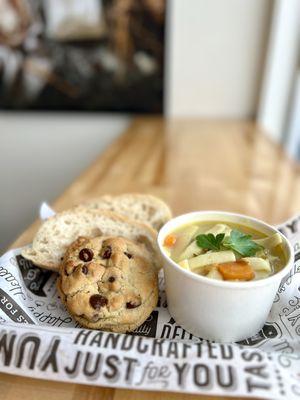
x,y
144,208
47,248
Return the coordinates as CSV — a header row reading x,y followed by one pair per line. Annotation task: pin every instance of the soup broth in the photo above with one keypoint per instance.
x,y
225,251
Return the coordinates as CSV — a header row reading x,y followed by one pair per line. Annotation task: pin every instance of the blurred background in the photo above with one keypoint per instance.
x,y
74,72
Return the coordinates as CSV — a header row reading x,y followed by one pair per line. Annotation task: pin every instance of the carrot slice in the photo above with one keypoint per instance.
x,y
170,240
238,270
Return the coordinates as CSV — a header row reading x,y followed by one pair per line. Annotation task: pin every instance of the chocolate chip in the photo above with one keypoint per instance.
x,y
85,270
86,255
106,253
130,304
128,254
97,301
95,318
111,279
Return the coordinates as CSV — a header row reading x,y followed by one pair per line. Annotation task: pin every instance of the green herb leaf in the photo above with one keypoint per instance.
x,y
210,241
237,241
241,243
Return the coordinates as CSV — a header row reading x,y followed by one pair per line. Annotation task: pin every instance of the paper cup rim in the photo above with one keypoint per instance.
x,y
180,219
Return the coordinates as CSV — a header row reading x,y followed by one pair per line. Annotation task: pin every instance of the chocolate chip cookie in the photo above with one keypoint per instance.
x,y
108,283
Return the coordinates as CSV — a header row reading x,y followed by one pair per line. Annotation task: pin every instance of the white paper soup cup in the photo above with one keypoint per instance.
x,y
219,310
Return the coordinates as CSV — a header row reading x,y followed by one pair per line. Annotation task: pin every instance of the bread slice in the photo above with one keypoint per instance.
x,y
141,207
58,232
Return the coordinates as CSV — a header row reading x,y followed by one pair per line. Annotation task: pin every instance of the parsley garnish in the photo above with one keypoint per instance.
x,y
241,243
210,241
237,241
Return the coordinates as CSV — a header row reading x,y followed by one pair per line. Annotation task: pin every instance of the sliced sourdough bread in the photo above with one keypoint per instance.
x,y
58,232
141,207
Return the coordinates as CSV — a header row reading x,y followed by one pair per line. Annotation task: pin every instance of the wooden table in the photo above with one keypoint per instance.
x,y
193,165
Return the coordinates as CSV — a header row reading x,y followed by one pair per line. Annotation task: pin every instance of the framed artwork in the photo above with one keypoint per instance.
x,y
91,55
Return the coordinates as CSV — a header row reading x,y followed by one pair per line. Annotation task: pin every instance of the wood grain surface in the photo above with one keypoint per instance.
x,y
193,165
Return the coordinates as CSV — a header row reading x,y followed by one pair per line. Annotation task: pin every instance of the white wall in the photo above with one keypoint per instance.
x,y
40,154
216,55
280,70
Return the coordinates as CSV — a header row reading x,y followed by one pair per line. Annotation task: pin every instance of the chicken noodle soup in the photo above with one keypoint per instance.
x,y
225,251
